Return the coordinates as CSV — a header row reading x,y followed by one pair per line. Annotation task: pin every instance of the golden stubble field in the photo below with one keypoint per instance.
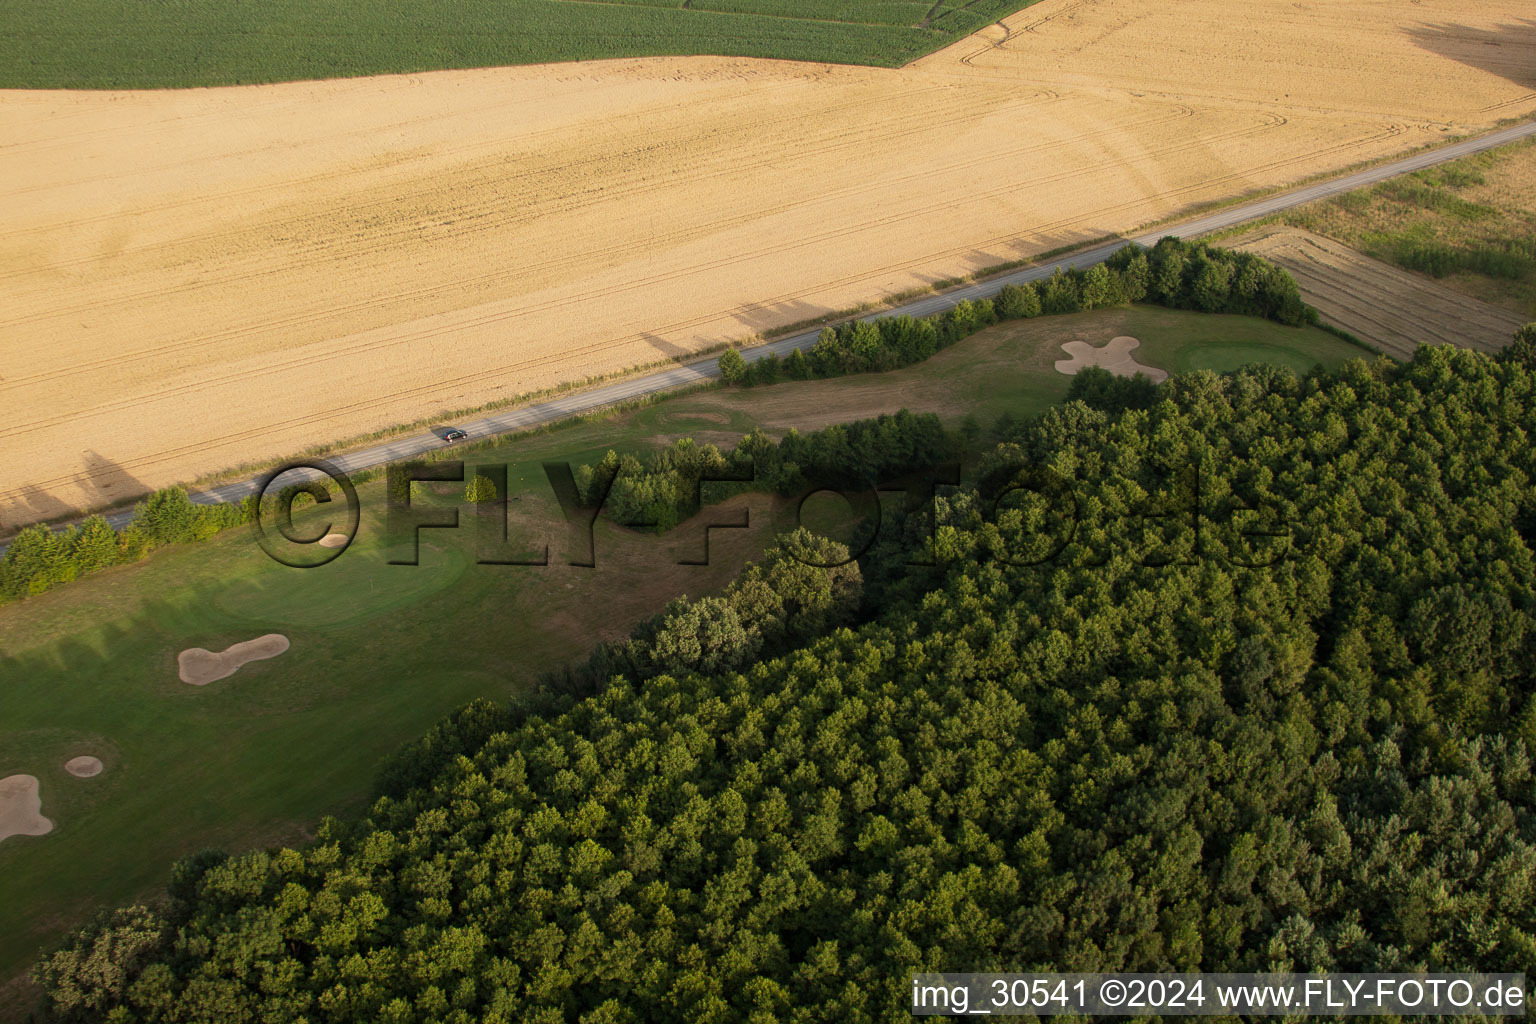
x,y
1392,310
198,279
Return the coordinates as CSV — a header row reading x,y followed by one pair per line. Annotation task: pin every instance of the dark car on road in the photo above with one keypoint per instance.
x,y
454,434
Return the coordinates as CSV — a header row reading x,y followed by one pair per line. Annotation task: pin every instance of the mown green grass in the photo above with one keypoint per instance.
x,y
1178,343
152,44
381,652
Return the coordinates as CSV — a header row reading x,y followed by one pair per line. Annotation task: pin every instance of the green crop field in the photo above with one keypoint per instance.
x,y
126,44
380,652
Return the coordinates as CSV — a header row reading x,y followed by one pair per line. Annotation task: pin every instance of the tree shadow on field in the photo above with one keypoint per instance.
x,y
802,316
668,350
107,482
31,504
1508,50
1025,248
102,482
767,316
1030,247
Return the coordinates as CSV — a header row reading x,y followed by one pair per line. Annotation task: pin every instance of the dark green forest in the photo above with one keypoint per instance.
x,y
1232,673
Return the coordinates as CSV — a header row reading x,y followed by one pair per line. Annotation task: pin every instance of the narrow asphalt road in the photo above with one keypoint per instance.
x,y
592,399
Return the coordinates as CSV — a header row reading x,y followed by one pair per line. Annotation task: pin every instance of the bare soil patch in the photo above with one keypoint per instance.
x,y
21,808
1392,310
195,279
201,667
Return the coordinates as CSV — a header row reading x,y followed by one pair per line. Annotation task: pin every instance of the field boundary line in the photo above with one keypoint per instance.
x,y
702,370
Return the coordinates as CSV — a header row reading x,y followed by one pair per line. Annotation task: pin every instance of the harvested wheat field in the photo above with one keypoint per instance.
x,y
191,280
200,667
1389,309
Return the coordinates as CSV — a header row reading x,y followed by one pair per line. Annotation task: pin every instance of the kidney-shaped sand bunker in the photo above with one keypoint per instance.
x,y
1115,357
201,667
21,808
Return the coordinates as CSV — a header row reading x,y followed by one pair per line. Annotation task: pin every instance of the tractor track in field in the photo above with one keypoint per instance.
x,y
586,401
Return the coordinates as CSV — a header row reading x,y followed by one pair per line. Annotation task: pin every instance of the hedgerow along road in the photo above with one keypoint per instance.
x,y
705,369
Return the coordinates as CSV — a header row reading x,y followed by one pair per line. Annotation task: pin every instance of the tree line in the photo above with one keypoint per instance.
x,y
39,558
664,488
1174,273
1114,765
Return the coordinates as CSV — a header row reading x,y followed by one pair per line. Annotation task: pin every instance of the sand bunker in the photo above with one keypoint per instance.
x,y
334,540
200,667
84,767
189,278
1115,357
21,808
